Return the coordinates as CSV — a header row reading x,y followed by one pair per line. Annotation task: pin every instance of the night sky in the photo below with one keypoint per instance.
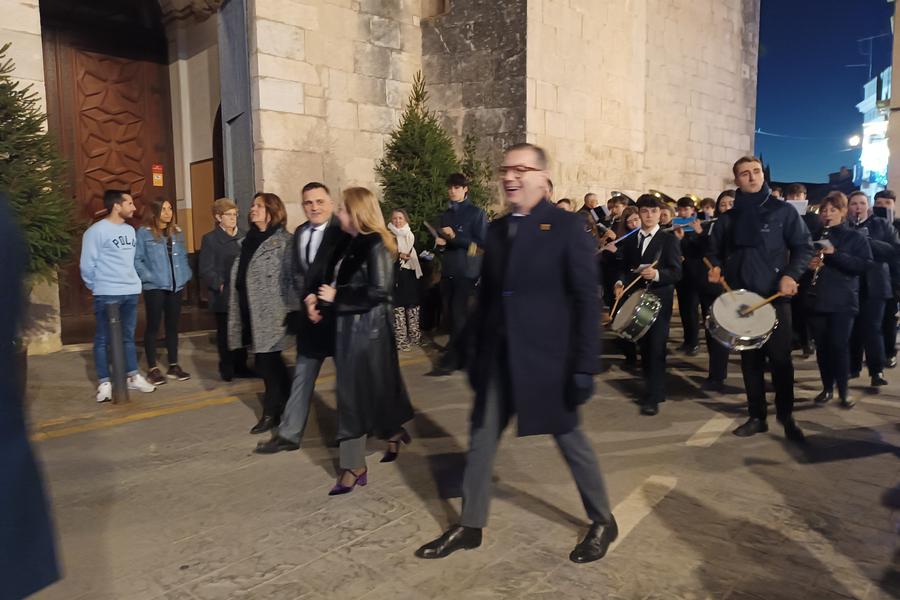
x,y
805,91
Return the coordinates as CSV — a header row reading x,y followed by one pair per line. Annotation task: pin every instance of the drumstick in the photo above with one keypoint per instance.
x,y
630,285
748,311
627,235
709,266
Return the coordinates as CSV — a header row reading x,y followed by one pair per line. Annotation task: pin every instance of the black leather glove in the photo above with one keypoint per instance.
x,y
581,388
292,322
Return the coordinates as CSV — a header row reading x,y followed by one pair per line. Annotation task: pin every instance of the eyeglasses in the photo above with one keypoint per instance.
x,y
519,170
230,213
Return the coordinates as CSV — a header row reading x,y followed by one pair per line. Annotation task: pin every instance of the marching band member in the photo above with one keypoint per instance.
x,y
765,248
611,267
875,289
718,354
693,272
833,295
653,246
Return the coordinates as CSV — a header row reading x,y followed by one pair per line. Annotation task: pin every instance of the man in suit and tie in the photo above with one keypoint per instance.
x,y
536,351
309,263
653,245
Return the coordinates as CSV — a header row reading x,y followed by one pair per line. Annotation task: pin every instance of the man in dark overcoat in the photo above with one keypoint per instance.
x,y
537,349
27,552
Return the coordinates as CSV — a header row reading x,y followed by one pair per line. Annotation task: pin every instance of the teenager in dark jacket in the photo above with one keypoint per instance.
x,y
888,200
833,295
763,246
463,227
218,250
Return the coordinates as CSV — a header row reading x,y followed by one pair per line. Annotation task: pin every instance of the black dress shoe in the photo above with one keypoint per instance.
x,y
455,538
596,542
847,403
824,397
791,431
264,424
891,362
692,350
276,444
712,385
649,410
439,372
878,380
751,427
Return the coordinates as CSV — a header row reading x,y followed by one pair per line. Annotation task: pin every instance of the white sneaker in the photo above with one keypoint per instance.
x,y
137,382
104,392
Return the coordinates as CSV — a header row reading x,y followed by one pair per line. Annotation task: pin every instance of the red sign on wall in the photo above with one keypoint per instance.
x,y
157,171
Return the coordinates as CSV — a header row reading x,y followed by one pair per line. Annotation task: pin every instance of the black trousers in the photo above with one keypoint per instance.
x,y
753,367
889,328
831,332
800,320
277,380
653,354
688,307
867,335
160,304
458,293
718,354
230,361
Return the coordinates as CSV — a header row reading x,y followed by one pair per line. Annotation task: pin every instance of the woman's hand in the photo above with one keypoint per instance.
x,y
327,293
828,250
611,248
404,256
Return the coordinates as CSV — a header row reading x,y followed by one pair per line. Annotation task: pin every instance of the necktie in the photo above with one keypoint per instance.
x,y
644,238
312,232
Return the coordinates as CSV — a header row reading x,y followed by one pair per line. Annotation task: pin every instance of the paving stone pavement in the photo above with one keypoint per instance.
x,y
163,498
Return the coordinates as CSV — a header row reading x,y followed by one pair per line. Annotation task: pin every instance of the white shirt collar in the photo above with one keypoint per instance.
x,y
652,232
319,227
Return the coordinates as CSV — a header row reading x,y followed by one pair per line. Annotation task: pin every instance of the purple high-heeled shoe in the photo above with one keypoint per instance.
x,y
360,480
390,455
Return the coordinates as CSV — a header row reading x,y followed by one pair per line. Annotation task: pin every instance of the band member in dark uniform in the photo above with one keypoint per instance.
x,y
765,248
693,272
537,350
718,354
611,272
887,199
652,245
875,289
833,295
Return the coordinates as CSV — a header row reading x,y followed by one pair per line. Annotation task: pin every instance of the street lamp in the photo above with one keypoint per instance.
x,y
854,141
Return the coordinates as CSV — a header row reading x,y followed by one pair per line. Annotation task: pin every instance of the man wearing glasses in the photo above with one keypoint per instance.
x,y
537,349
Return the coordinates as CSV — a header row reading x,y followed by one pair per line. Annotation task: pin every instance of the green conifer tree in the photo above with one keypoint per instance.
x,y
33,176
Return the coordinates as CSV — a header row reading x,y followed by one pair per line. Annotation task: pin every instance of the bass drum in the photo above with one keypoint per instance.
x,y
727,326
636,315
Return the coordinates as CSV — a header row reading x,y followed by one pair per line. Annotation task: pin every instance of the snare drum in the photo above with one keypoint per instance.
x,y
736,332
636,315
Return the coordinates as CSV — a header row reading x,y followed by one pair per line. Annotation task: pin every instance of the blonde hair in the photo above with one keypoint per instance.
x,y
222,206
365,214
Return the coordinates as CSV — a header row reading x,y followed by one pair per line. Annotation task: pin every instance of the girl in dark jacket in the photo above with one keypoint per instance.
x,y
833,295
160,260
371,395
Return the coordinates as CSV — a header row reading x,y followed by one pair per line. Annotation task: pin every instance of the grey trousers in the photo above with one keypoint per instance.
x,y
574,446
296,411
353,453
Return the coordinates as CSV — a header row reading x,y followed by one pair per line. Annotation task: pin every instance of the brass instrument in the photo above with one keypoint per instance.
x,y
821,257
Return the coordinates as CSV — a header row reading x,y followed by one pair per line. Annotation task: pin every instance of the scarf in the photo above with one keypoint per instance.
x,y
748,224
405,241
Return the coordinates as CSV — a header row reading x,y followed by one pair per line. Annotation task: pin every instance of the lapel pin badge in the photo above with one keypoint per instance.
x,y
545,226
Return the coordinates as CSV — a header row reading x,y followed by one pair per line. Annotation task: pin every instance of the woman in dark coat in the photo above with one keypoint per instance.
x,y
256,309
371,395
833,296
220,247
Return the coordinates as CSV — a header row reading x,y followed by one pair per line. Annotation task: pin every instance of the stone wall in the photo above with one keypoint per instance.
x,y
329,79
643,94
473,58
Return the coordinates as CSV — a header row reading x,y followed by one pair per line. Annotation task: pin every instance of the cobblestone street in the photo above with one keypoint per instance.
x,y
163,497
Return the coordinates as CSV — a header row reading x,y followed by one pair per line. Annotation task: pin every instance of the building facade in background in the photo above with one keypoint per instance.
x,y
875,151
193,99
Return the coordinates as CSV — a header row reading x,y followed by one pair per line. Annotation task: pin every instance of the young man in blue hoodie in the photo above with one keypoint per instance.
x,y
107,269
764,247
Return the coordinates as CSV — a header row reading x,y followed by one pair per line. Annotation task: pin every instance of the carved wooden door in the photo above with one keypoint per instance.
x,y
112,117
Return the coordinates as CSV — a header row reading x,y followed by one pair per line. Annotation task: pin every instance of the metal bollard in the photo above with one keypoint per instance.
x,y
117,351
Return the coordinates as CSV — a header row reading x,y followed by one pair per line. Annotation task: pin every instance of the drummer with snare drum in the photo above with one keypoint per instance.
x,y
653,256
764,247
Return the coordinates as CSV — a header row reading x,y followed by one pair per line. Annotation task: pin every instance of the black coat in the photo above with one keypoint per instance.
x,y
470,225
664,248
371,395
314,340
538,298
786,249
879,279
837,283
27,553
217,253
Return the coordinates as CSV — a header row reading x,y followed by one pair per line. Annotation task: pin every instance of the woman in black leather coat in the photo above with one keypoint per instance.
x,y
371,395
